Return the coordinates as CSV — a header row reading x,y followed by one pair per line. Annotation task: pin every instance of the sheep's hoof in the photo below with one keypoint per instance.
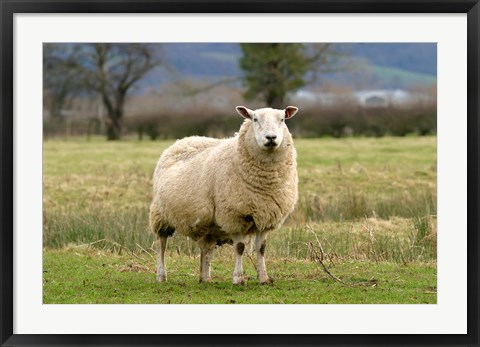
x,y
206,280
267,281
161,278
239,281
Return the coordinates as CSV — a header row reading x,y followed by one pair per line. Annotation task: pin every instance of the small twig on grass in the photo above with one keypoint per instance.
x,y
115,245
318,255
319,258
372,241
91,243
143,249
249,256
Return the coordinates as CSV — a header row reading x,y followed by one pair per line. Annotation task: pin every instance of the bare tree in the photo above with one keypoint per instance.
x,y
112,69
324,58
61,83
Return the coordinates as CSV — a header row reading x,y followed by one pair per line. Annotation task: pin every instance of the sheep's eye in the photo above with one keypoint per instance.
x,y
282,120
255,119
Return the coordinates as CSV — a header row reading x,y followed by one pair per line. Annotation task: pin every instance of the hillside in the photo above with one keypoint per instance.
x,y
372,65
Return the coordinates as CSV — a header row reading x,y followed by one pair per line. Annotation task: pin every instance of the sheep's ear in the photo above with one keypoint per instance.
x,y
290,111
244,112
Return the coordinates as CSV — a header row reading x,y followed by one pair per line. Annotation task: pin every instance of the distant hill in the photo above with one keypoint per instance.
x,y
413,57
205,59
375,65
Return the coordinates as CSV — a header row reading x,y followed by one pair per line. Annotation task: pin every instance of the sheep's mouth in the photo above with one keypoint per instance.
x,y
270,143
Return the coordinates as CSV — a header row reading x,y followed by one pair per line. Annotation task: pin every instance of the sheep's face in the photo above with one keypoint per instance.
x,y
268,125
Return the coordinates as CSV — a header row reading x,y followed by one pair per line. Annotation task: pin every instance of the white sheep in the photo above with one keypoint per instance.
x,y
220,191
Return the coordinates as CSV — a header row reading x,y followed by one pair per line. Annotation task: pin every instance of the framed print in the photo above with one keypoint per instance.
x,y
191,173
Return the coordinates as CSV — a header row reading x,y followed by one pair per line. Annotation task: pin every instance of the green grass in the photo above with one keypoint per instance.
x,y
98,190
371,202
84,275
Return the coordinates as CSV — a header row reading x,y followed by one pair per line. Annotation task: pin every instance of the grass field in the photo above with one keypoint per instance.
x,y
370,203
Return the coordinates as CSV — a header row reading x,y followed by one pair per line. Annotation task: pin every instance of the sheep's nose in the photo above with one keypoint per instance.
x,y
270,140
271,137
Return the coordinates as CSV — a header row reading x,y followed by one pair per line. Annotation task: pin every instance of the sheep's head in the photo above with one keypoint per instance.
x,y
268,124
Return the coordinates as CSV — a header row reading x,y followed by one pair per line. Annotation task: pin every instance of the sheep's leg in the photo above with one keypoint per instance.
x,y
206,251
161,270
239,247
260,243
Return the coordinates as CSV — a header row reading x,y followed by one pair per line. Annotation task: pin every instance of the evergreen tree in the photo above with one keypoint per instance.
x,y
272,69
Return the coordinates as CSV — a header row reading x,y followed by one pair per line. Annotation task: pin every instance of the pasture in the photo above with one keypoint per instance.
x,y
367,212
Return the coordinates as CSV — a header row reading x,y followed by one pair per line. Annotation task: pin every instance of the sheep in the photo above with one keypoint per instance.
x,y
219,191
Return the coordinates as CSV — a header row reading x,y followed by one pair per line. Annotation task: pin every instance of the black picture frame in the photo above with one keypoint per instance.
x,y
10,7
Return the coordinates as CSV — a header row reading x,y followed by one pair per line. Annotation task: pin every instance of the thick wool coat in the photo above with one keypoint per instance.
x,y
213,188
